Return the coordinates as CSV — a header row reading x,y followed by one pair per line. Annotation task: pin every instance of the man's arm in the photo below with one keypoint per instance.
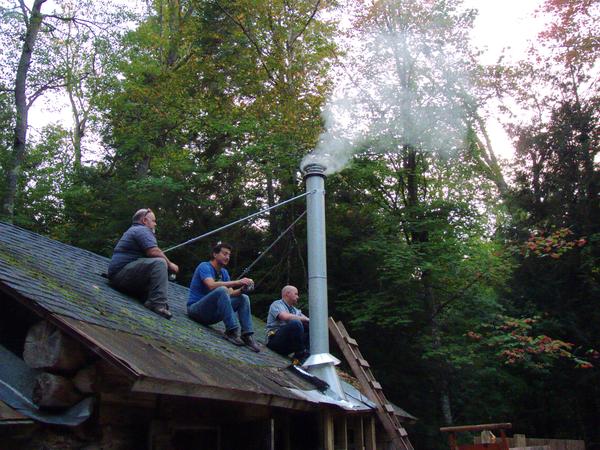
x,y
155,252
286,317
212,284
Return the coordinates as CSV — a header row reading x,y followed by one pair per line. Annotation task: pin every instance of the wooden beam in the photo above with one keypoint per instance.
x,y
370,433
358,433
327,433
169,387
271,433
340,426
481,427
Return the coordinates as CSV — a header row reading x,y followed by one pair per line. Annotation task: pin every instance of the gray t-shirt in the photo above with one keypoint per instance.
x,y
273,323
132,246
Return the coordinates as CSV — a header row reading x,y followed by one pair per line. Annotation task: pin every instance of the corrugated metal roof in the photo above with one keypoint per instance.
x,y
179,357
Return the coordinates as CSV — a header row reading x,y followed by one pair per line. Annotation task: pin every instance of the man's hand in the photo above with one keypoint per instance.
x,y
246,281
173,268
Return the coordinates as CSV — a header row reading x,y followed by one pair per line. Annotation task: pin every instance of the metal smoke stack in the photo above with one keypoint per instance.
x,y
321,363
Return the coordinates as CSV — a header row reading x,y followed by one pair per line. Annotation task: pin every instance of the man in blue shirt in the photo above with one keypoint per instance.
x,y
214,298
287,327
139,268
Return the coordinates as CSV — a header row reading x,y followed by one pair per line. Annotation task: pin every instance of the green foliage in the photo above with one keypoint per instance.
x,y
204,111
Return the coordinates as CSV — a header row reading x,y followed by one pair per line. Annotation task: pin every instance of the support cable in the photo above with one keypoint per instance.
x,y
240,220
247,269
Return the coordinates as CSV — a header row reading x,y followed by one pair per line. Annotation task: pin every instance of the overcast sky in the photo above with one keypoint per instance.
x,y
501,26
504,26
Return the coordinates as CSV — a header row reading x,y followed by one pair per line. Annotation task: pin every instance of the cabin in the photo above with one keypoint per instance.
x,y
84,366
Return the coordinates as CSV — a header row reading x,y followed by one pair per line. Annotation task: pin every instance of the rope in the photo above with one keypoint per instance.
x,y
247,269
262,211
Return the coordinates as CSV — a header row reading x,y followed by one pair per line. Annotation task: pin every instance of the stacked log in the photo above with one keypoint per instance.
x,y
47,348
54,392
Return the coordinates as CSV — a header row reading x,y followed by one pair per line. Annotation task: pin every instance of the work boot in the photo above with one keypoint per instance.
x,y
232,336
250,342
161,310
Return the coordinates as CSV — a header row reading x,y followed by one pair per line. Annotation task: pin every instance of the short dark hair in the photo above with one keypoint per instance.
x,y
217,248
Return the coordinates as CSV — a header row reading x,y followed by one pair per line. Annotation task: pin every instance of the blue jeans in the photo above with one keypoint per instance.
x,y
291,337
218,306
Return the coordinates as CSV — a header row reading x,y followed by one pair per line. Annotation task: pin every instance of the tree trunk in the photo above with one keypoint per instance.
x,y
421,237
54,391
22,106
79,119
48,348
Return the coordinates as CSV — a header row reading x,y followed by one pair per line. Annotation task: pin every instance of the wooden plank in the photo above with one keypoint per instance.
x,y
350,341
271,433
364,363
375,385
519,440
370,434
481,427
537,447
327,436
358,433
341,433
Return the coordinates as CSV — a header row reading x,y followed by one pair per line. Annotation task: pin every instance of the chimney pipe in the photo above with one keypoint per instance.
x,y
321,363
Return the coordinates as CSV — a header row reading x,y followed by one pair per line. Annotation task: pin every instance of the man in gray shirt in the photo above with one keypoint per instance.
x,y
287,327
139,268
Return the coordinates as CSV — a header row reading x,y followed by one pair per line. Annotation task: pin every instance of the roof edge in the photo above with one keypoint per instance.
x,y
167,387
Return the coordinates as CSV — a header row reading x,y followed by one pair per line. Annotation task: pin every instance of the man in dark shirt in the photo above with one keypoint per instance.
x,y
138,267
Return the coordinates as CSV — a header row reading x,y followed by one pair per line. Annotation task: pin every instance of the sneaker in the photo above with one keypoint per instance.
x,y
232,336
161,310
250,342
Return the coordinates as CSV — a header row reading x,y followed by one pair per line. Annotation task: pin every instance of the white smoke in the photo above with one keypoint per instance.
x,y
414,96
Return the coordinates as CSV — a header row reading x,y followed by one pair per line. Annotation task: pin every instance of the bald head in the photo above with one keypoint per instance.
x,y
289,294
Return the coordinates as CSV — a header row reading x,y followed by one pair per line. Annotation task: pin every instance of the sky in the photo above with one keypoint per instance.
x,y
504,26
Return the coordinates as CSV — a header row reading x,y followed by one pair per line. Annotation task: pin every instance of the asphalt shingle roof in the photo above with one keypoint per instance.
x,y
67,282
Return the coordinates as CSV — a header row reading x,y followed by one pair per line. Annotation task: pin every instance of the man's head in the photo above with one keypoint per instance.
x,y
145,217
289,294
221,253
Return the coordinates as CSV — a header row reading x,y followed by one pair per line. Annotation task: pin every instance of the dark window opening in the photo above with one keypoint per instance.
x,y
15,321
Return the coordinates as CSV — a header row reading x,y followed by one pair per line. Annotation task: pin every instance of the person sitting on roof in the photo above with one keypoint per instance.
x,y
214,297
287,327
139,268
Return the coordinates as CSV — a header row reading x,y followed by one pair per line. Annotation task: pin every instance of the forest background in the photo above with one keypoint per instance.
x,y
471,284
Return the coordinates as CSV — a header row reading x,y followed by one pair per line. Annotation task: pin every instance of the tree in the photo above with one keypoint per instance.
x,y
46,38
32,19
416,63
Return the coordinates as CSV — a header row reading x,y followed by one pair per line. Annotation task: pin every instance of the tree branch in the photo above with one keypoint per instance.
x,y
301,32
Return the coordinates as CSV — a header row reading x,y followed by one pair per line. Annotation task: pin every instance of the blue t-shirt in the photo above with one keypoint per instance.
x,y
132,246
197,287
